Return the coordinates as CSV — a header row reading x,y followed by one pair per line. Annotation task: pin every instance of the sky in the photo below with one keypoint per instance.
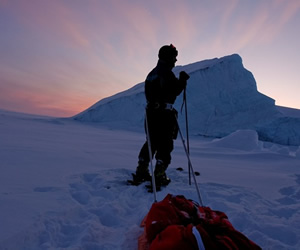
x,y
59,57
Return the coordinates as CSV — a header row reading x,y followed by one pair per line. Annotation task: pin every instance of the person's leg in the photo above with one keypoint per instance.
x,y
164,148
142,171
163,159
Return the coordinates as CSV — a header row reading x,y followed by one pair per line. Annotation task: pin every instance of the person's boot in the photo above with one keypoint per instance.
x,y
161,178
141,174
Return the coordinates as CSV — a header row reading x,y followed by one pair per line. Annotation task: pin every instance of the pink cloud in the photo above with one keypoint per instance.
x,y
18,97
52,19
110,45
4,3
260,25
288,10
37,92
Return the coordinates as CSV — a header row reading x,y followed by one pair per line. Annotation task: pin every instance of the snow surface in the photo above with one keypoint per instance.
x,y
62,185
222,97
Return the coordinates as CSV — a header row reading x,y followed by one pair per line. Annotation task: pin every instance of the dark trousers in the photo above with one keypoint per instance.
x,y
162,126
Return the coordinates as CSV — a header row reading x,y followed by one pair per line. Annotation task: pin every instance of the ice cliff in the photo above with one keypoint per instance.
x,y
222,97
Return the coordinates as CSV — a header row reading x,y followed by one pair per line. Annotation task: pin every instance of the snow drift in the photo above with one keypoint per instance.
x,y
222,97
63,185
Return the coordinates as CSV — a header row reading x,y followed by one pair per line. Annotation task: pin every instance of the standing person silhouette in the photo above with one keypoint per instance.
x,y
161,89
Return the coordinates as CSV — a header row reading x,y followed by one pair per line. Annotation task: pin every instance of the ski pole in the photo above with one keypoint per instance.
x,y
150,157
190,165
187,133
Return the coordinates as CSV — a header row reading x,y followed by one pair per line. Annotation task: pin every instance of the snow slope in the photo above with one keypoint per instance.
x,y
62,185
222,98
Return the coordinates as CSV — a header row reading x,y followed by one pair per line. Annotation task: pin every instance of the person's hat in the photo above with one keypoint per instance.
x,y
167,51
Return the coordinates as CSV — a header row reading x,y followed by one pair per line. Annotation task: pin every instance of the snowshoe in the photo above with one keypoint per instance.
x,y
139,179
161,181
141,174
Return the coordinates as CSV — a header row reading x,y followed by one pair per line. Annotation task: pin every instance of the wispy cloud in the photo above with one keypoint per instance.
x,y
51,19
261,24
85,50
285,11
28,96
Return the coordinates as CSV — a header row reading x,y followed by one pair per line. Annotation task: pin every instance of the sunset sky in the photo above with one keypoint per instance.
x,y
58,57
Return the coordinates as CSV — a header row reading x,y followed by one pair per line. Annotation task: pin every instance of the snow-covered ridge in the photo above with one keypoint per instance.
x,y
222,97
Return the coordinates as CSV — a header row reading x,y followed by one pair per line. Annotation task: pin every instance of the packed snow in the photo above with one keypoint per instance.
x,y
63,185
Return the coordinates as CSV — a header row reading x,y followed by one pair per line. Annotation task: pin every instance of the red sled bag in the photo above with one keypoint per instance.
x,y
178,223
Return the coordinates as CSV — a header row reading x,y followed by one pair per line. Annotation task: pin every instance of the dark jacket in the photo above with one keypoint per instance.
x,y
162,86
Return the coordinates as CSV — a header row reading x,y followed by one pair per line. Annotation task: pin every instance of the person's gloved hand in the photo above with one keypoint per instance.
x,y
183,76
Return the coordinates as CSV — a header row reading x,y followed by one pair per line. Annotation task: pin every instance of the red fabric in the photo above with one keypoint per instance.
x,y
175,237
221,231
169,226
172,210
